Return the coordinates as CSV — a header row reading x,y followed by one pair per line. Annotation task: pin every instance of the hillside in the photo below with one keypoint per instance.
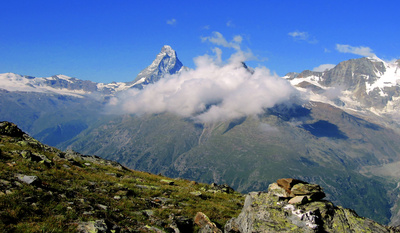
x,y
46,190
43,189
318,143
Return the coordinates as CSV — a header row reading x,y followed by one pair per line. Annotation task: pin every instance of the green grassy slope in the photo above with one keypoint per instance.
x,y
72,190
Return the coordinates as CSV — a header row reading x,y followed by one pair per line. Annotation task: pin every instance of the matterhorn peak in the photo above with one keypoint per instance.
x,y
168,50
166,62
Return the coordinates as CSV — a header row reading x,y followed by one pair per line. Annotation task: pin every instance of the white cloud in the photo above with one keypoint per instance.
x,y
304,36
219,39
171,21
361,50
213,91
324,67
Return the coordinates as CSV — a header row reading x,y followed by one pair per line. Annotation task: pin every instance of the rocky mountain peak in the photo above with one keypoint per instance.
x,y
168,50
166,62
367,82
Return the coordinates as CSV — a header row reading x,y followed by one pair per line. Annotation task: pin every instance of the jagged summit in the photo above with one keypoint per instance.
x,y
166,62
369,82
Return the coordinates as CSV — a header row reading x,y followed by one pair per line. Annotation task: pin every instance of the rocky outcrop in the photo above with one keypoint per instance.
x,y
295,206
10,129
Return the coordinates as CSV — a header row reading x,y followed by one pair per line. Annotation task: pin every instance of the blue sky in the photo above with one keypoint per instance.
x,y
106,41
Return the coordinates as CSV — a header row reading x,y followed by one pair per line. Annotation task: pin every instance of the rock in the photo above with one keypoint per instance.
x,y
206,226
148,213
32,180
277,190
196,193
112,174
11,164
181,223
104,207
148,228
26,154
10,129
147,187
314,191
223,188
169,182
298,200
4,182
93,226
288,183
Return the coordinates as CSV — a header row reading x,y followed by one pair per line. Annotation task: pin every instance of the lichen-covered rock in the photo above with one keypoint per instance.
x,y
10,129
272,212
288,183
313,191
206,226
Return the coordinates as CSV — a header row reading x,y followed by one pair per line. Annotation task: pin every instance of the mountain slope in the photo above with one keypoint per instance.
x,y
43,189
319,144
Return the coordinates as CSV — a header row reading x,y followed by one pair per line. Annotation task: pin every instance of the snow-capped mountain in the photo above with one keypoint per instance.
x,y
166,62
57,84
57,108
367,83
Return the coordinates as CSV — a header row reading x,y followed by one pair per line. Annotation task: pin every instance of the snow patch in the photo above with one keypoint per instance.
x,y
391,77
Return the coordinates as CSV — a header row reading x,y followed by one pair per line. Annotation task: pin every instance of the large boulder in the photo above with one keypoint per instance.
x,y
288,183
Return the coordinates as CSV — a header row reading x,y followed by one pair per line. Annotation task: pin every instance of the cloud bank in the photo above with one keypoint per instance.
x,y
211,92
361,50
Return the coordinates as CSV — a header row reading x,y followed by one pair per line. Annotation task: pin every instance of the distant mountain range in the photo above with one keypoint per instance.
x,y
346,136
